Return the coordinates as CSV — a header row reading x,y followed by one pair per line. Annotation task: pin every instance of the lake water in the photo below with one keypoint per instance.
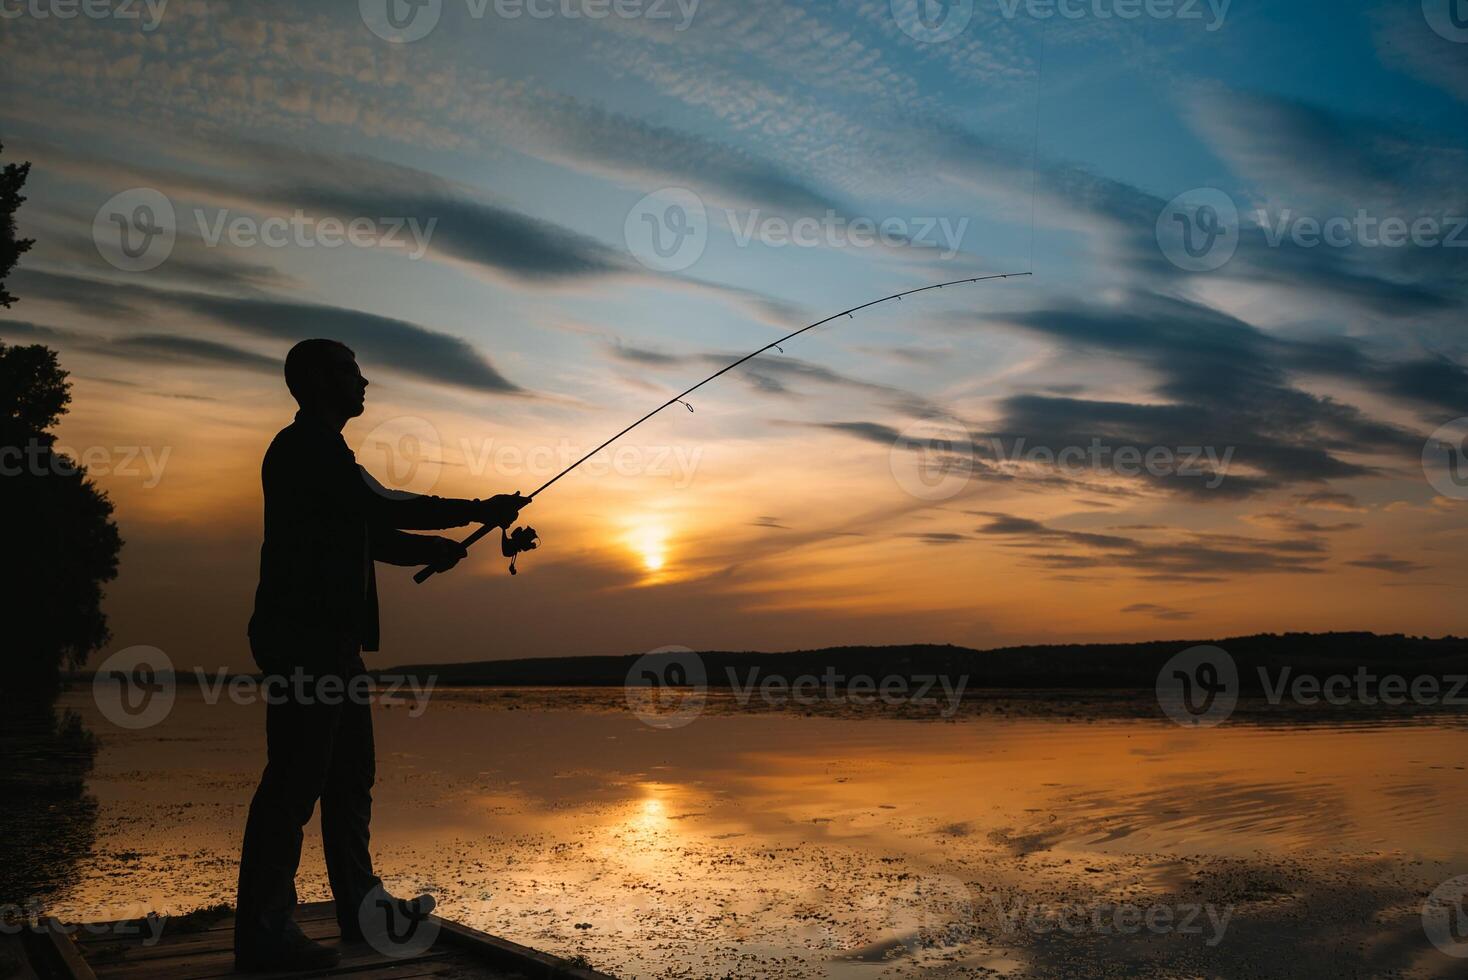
x,y
849,845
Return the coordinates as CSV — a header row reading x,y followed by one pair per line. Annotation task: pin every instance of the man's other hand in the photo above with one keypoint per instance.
x,y
501,509
445,553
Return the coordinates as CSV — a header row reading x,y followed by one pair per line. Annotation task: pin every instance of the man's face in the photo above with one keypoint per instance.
x,y
343,385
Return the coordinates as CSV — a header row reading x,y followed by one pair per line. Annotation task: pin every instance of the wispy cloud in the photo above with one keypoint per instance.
x,y
1191,558
397,345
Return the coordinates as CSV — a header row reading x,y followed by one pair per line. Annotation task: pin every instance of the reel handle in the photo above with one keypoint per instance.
x,y
511,544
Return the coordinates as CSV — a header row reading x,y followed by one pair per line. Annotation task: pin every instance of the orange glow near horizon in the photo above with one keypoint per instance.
x,y
720,559
647,539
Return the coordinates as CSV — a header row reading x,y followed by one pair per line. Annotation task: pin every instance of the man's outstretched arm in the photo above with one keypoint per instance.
x,y
418,512
400,548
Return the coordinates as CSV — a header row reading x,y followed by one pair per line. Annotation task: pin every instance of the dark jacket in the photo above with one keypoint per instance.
x,y
326,521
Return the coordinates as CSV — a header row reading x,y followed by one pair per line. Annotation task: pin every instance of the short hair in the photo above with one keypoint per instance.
x,y
306,360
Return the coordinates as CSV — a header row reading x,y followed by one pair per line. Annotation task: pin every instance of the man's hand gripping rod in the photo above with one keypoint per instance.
x,y
522,539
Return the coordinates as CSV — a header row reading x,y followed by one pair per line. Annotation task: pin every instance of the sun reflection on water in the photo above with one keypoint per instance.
x,y
650,816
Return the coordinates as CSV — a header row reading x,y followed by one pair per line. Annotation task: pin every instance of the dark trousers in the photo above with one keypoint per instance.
x,y
315,750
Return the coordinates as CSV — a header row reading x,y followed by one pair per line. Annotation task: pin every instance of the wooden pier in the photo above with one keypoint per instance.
x,y
118,951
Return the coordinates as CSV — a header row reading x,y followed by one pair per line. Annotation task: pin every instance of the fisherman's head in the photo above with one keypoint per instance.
x,y
323,377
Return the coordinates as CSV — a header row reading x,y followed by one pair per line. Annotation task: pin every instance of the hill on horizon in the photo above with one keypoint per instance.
x,y
1071,665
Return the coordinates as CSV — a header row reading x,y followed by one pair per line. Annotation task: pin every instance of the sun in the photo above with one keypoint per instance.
x,y
649,542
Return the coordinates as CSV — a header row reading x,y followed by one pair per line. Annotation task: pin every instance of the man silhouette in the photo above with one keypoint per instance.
x,y
326,523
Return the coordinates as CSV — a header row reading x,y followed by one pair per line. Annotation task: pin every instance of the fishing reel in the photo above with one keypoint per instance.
x,y
516,541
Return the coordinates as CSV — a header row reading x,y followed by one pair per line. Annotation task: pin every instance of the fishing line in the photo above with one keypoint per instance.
x,y
522,539
512,544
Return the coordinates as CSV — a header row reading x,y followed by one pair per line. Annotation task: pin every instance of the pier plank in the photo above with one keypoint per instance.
x,y
124,950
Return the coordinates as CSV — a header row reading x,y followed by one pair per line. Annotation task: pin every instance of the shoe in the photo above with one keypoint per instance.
x,y
407,908
294,952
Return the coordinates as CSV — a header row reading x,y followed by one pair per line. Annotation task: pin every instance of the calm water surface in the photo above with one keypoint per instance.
x,y
778,844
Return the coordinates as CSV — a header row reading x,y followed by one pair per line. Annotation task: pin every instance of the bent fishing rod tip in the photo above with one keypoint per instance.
x,y
517,543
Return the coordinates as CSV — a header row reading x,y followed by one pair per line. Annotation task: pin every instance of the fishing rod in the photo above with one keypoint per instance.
x,y
512,543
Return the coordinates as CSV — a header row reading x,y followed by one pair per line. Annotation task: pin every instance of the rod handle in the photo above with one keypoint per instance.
x,y
428,571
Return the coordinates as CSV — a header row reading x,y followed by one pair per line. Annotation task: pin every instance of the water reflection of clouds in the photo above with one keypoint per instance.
x,y
778,838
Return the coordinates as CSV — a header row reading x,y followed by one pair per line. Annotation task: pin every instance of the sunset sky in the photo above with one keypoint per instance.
x,y
797,505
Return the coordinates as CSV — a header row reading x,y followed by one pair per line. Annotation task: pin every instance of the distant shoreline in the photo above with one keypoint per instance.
x,y
1123,667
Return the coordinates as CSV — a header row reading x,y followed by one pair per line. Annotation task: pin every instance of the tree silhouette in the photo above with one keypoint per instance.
x,y
60,542
12,177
